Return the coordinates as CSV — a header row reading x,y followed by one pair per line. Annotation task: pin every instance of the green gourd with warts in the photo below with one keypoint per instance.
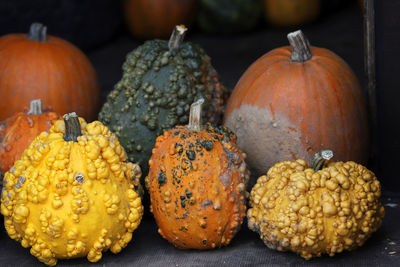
x,y
160,80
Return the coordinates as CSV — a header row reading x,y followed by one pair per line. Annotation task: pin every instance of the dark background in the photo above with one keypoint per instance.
x,y
97,27
388,93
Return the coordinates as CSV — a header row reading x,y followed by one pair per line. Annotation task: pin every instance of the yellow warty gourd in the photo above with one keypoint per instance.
x,y
312,210
72,194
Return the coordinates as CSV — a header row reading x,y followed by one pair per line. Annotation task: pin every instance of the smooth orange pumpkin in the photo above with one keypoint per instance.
x,y
42,66
286,13
148,19
18,131
295,101
197,184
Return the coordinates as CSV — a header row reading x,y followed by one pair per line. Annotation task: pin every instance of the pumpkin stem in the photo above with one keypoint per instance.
x,y
300,46
195,116
176,37
36,107
72,127
37,32
320,158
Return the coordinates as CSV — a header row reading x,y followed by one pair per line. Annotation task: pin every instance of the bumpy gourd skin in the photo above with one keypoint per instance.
x,y
155,94
312,213
72,199
197,184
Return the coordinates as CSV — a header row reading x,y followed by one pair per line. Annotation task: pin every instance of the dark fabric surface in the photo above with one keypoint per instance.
x,y
148,248
231,55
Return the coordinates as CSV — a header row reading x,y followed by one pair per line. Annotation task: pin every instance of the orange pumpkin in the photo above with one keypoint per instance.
x,y
18,131
286,13
43,66
197,184
295,101
148,19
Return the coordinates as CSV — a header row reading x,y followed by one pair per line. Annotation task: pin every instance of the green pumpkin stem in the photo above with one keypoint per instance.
x,y
300,46
37,32
72,127
176,37
36,107
195,116
320,158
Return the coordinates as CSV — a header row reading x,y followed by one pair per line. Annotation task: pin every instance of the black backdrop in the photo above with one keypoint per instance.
x,y
388,90
86,23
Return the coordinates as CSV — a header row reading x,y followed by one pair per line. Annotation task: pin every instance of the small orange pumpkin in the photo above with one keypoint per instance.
x,y
286,13
295,101
149,19
18,131
197,184
42,66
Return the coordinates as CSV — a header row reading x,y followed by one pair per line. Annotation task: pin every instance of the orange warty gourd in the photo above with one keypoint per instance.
x,y
295,101
37,65
148,19
18,131
197,184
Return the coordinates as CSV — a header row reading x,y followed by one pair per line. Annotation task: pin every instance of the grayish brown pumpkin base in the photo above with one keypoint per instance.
x,y
258,132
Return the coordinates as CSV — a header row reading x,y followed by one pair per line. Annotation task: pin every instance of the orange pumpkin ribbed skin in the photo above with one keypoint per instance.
x,y
18,131
284,110
148,19
199,199
53,70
